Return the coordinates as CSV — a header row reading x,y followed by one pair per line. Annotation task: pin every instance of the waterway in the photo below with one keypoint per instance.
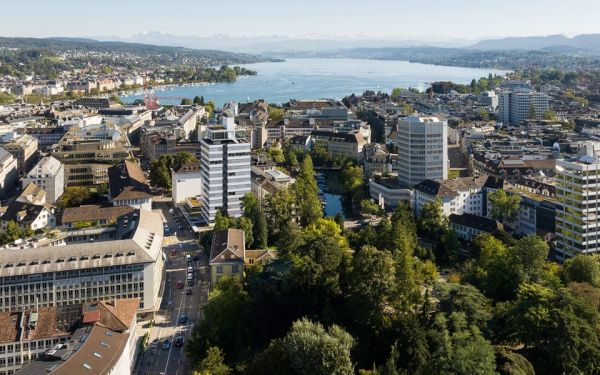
x,y
278,82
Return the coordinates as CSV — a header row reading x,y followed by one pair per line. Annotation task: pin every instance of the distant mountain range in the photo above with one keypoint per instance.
x,y
556,43
580,44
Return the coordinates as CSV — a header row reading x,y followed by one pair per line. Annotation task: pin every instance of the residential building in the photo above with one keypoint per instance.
x,y
48,174
186,183
377,160
127,186
33,194
225,170
42,273
24,149
577,193
340,144
521,104
468,226
228,255
422,150
458,196
93,338
8,171
268,182
28,216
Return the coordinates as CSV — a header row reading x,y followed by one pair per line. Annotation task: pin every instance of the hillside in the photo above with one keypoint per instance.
x,y
577,44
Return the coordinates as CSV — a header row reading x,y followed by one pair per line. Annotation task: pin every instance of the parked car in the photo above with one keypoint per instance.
x,y
166,344
190,269
188,291
190,283
180,284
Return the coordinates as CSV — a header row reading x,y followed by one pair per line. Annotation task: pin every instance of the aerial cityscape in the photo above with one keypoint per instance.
x,y
285,188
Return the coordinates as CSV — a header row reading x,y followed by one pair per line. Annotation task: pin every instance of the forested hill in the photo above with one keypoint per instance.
x,y
64,45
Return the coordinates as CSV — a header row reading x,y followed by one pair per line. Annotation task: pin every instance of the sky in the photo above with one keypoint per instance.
x,y
409,19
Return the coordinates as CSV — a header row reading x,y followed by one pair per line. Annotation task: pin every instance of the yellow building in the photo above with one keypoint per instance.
x,y
228,255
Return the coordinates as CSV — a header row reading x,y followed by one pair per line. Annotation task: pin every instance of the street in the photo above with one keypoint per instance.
x,y
159,358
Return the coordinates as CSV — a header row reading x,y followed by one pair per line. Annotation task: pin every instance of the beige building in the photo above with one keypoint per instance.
x,y
340,144
87,152
24,149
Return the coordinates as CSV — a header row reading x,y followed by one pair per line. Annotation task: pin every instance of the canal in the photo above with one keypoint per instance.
x,y
330,192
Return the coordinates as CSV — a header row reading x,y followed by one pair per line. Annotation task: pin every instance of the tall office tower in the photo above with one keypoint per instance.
x,y
422,150
224,169
522,104
578,194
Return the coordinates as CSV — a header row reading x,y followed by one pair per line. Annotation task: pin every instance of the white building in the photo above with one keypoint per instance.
x,y
422,149
225,170
186,183
8,171
517,106
48,174
578,195
45,275
389,192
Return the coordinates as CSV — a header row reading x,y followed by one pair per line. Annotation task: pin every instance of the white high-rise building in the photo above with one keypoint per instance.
x,y
225,170
48,174
422,150
515,107
578,195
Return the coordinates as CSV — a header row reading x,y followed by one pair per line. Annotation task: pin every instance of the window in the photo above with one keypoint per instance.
x,y
219,269
234,268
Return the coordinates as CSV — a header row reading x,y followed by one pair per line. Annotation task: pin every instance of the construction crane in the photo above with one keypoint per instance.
x,y
151,99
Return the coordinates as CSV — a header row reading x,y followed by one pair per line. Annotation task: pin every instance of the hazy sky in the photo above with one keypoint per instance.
x,y
424,19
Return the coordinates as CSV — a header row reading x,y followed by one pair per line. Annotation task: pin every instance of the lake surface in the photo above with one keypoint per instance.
x,y
278,82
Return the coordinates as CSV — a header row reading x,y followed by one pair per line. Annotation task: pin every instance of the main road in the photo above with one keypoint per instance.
x,y
158,358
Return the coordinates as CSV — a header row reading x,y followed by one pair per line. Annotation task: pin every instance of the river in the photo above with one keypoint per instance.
x,y
278,82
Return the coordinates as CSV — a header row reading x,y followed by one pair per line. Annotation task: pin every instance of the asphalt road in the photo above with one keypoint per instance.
x,y
175,304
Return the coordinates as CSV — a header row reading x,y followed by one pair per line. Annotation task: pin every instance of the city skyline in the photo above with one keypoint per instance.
x,y
435,21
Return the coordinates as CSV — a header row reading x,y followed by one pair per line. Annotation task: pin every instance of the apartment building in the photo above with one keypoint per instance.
x,y
48,174
578,196
225,170
422,149
24,149
45,273
340,144
8,171
97,337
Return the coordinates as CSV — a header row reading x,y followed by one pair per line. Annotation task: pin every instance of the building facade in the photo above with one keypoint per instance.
x,y
8,171
225,170
48,174
186,182
519,105
422,150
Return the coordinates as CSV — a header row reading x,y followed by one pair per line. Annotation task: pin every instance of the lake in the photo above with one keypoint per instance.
x,y
278,82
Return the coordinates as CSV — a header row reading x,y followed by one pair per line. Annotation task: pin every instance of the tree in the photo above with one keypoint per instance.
x,y
559,331
305,190
308,348
13,232
583,268
529,257
466,299
213,364
432,222
275,113
159,174
199,100
221,326
74,196
254,212
550,115
367,207
245,224
186,101
182,158
223,221
352,178
504,205
532,114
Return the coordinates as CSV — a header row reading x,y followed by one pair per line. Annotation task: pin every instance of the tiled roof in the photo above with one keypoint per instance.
x,y
227,245
127,181
94,212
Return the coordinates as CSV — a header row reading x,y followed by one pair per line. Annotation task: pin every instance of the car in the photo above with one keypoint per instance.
x,y
183,319
190,283
190,276
196,258
181,227
188,291
180,284
190,269
166,345
179,341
